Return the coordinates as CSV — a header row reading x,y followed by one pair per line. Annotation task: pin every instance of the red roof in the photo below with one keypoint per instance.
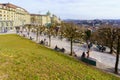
x,y
9,5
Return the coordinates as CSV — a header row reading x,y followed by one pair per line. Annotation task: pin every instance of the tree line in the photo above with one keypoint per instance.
x,y
106,35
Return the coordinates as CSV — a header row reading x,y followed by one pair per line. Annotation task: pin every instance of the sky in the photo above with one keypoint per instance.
x,y
72,9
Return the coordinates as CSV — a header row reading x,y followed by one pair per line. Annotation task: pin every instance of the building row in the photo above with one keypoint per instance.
x,y
12,16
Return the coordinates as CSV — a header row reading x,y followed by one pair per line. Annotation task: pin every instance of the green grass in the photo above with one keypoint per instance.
x,y
22,59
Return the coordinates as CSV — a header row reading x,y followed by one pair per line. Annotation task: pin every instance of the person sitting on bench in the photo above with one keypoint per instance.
x,y
56,48
41,42
63,50
83,55
30,38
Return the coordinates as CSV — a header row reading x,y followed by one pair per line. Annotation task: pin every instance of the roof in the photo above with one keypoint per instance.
x,y
9,5
37,15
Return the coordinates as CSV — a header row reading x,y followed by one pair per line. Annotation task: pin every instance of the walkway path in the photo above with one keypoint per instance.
x,y
104,61
9,32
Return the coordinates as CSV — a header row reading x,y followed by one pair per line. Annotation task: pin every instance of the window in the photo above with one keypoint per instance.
x,y
2,24
4,7
6,23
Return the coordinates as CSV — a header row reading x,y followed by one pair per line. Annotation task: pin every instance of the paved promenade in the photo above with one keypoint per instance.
x,y
104,61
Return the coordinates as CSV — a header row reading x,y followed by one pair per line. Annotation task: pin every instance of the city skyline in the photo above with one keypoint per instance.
x,y
72,9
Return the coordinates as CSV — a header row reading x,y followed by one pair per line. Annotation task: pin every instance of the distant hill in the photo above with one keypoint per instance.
x,y
94,22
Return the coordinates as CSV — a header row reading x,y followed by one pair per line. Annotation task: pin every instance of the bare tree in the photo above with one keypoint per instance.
x,y
28,26
88,34
71,32
118,49
106,36
61,30
38,29
50,30
110,36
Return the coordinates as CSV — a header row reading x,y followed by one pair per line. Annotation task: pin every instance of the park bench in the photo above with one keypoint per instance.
x,y
101,48
60,50
31,38
89,60
42,42
24,35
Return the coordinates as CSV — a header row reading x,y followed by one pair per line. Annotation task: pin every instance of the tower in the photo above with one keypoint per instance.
x,y
48,13
48,16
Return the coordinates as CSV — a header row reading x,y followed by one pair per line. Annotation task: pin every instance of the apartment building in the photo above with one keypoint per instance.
x,y
44,19
55,19
40,19
12,16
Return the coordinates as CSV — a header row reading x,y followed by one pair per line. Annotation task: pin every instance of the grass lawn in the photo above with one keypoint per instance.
x,y
22,59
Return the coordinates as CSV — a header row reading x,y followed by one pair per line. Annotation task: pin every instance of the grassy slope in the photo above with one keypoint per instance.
x,y
22,59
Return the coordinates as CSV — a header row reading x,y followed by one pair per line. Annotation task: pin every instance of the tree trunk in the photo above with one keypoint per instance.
x,y
87,42
111,47
71,46
37,35
28,32
22,30
117,56
88,48
49,40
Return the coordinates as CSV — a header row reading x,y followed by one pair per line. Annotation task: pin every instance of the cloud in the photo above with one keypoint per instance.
x,y
81,9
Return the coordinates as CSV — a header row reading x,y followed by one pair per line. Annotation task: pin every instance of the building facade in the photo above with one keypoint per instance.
x,y
40,19
12,16
55,19
44,19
